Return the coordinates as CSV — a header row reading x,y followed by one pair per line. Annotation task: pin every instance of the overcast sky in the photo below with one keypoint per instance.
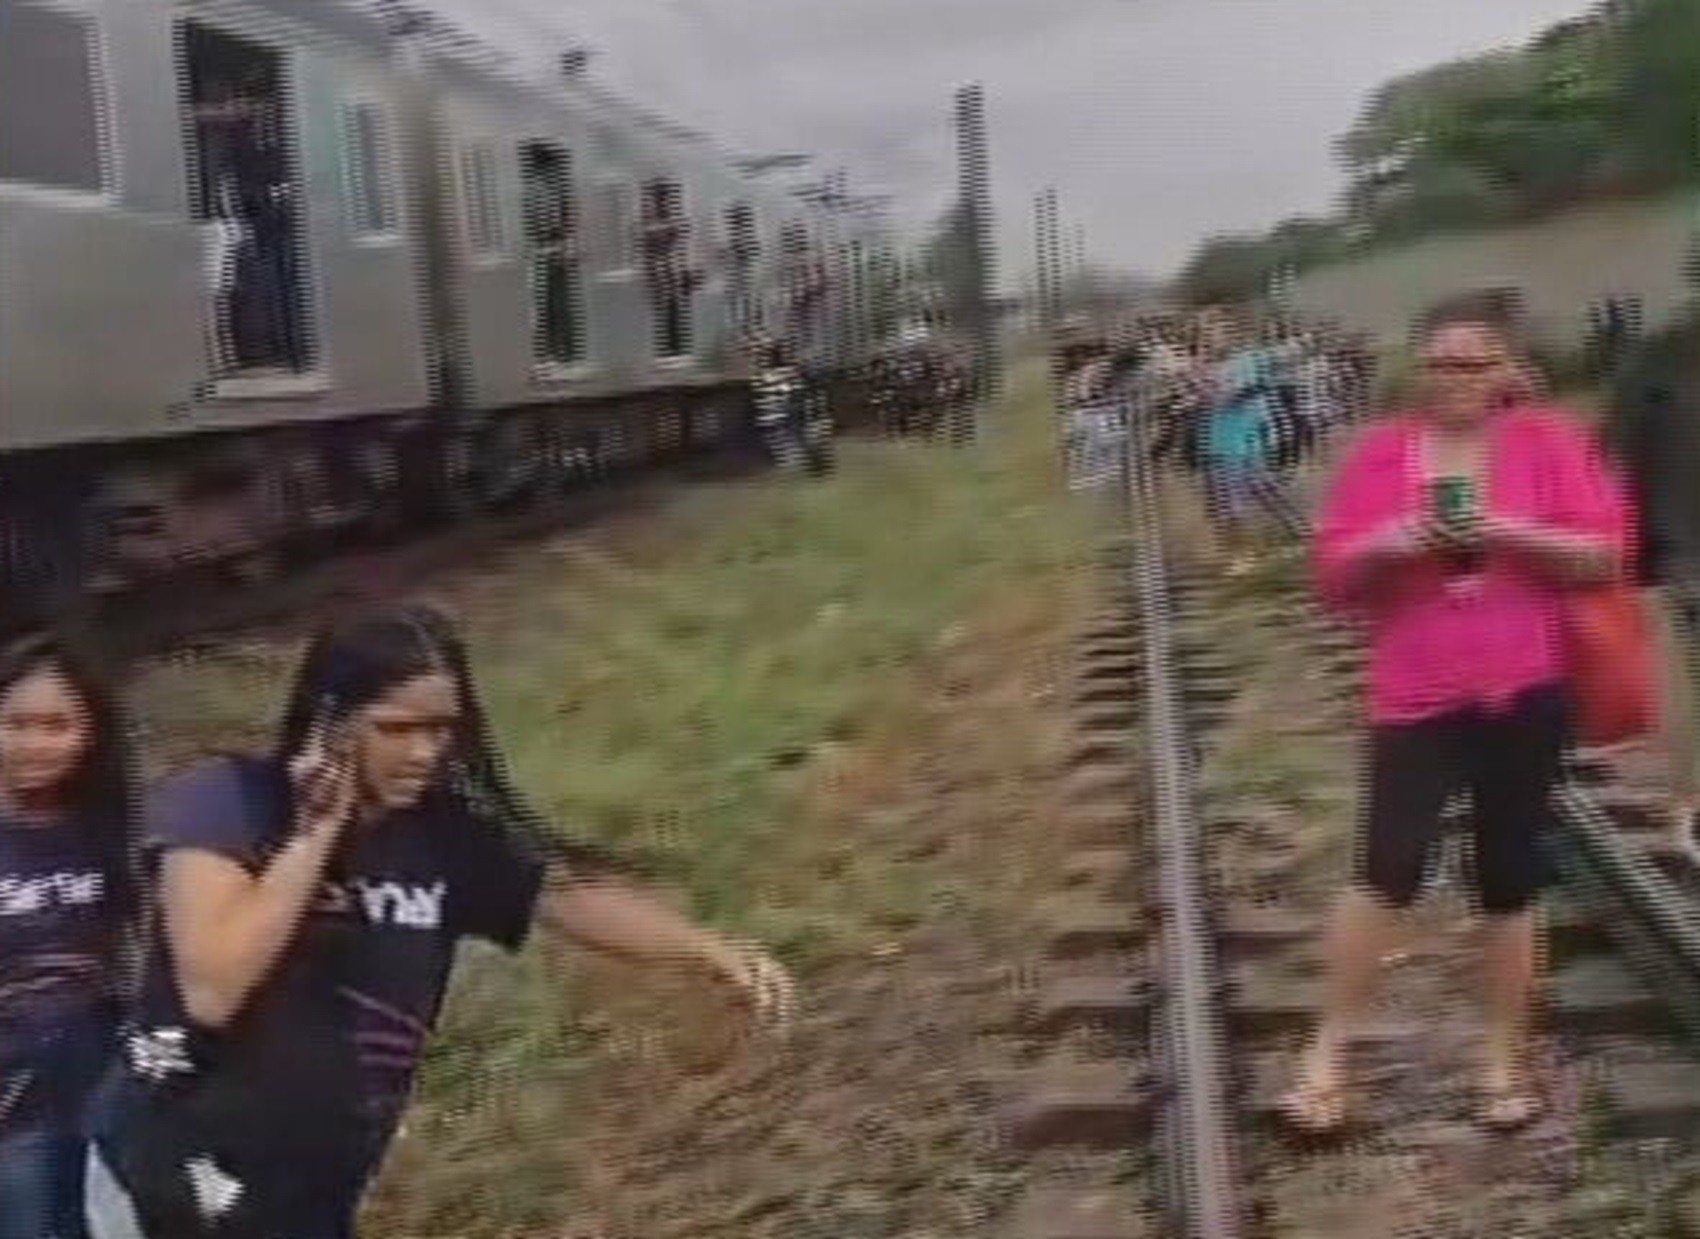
x,y
1159,121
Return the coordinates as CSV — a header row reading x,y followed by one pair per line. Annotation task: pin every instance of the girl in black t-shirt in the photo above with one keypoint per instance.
x,y
67,891
312,901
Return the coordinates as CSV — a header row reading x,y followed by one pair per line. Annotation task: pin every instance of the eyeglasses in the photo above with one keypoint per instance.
x,y
1463,365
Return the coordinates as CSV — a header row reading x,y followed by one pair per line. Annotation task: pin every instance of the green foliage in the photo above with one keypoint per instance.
x,y
1230,269
1603,104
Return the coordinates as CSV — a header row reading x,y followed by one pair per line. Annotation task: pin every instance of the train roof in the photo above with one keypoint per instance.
x,y
622,130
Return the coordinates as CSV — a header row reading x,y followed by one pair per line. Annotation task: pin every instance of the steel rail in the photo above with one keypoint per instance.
x,y
1653,924
1207,1185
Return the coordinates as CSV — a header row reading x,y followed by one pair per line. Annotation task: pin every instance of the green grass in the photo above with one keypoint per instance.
x,y
681,702
673,711
674,714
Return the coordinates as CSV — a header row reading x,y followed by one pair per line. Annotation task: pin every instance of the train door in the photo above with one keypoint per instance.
x,y
743,249
244,182
667,267
553,254
802,286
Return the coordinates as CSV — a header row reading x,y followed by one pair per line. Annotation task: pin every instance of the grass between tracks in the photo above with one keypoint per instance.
x,y
698,690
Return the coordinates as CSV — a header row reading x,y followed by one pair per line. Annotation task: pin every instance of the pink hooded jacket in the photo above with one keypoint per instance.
x,y
1436,647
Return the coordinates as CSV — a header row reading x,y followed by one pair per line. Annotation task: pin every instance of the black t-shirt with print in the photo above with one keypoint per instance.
x,y
311,1078
59,931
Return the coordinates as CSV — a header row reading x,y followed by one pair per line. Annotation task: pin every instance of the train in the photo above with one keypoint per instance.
x,y
279,271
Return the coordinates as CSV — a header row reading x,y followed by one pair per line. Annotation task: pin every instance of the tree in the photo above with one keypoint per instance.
x,y
1658,94
1600,104
1227,269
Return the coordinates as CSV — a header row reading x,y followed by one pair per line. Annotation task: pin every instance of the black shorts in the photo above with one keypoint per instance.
x,y
1509,764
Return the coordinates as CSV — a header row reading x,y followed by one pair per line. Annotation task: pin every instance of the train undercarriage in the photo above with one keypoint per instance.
x,y
80,524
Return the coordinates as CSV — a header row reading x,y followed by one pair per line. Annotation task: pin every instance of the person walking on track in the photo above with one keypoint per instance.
x,y
312,900
1452,534
1239,442
68,897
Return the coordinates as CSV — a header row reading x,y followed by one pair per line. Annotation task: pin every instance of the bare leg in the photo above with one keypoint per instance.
x,y
1360,933
1510,955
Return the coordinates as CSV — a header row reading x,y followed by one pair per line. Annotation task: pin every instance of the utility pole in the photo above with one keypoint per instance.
x,y
975,217
1077,267
1049,259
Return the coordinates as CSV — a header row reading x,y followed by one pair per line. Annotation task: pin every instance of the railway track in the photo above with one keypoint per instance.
x,y
1182,971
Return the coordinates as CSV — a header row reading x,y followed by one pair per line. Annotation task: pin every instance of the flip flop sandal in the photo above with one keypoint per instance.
x,y
1314,1112
1509,1109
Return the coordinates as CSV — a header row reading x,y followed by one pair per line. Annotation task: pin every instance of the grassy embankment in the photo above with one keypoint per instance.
x,y
696,692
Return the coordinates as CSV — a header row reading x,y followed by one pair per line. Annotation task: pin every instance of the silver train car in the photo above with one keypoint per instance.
x,y
272,270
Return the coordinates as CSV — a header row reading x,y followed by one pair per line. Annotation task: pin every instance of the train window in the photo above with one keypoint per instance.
x,y
552,245
244,179
743,248
51,130
743,242
369,166
481,192
670,273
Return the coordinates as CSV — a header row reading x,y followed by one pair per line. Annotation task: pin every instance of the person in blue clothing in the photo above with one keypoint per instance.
x,y
312,900
1238,448
68,898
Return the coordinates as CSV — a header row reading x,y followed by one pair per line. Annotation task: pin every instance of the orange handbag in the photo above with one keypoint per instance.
x,y
1614,681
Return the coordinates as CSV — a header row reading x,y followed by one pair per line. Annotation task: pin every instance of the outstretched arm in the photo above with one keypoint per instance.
x,y
615,919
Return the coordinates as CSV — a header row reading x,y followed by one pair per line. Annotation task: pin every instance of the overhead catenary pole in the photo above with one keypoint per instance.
x,y
975,220
1077,266
1049,266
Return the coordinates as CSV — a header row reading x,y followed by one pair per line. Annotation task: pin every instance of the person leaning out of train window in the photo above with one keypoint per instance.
x,y
312,901
1452,534
68,895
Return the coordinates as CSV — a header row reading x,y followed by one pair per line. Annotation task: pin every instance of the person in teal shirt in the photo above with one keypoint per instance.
x,y
1238,442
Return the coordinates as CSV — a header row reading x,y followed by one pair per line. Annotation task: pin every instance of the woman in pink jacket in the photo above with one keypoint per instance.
x,y
1452,534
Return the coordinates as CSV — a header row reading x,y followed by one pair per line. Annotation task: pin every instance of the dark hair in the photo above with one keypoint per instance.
x,y
101,795
1500,310
354,664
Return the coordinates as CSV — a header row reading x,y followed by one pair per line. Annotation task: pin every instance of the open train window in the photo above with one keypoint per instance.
x,y
244,183
741,237
369,171
51,101
552,246
481,197
743,247
667,268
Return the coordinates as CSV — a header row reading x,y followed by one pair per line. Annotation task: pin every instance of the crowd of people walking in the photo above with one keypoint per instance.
x,y
1238,404
1473,535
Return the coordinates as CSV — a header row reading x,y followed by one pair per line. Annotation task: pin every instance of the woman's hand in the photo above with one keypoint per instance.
x,y
1573,558
1454,537
1396,540
323,778
761,981
616,920
1512,535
